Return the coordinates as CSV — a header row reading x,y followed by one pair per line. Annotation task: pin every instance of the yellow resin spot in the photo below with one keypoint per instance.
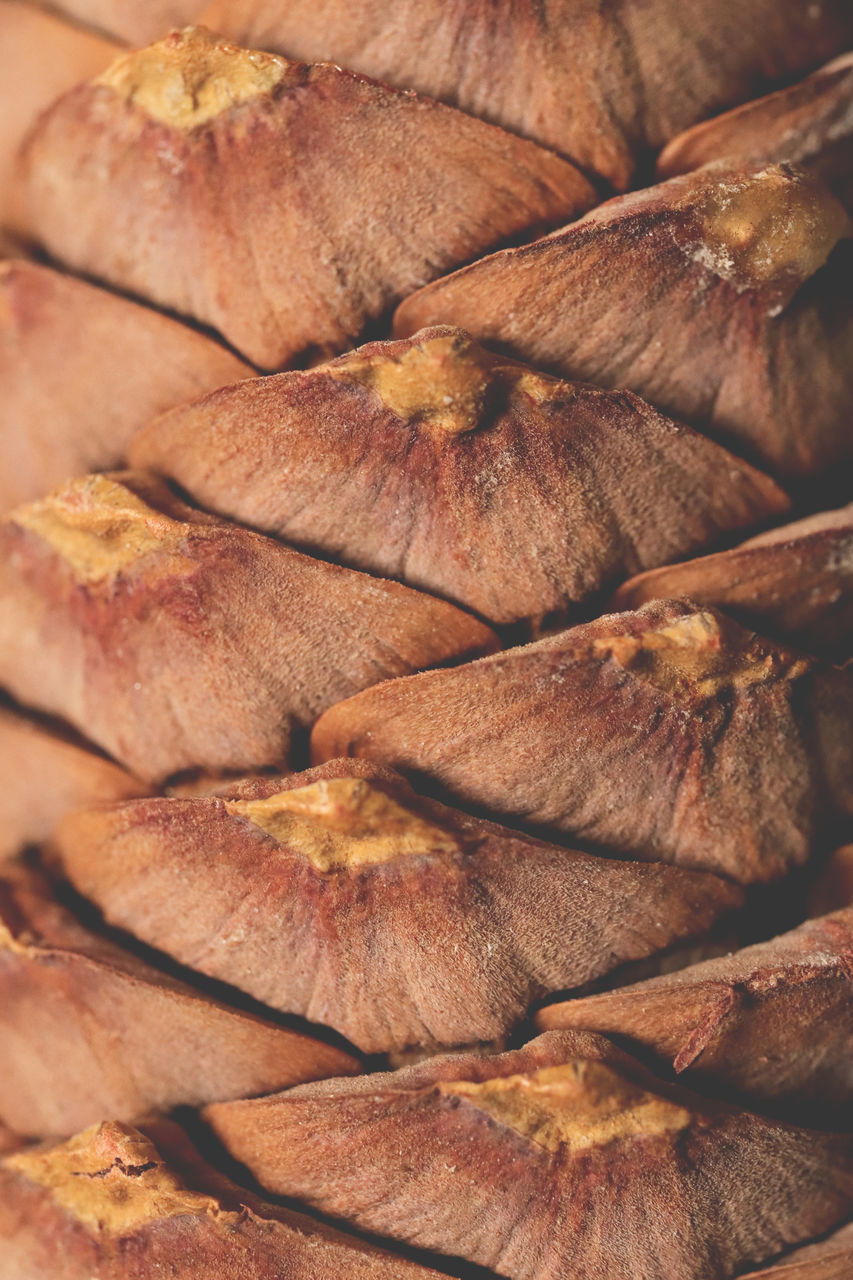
x,y
578,1104
192,76
768,227
111,1179
699,651
344,822
442,381
99,527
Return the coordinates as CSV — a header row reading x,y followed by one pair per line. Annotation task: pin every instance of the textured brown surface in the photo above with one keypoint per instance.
x,y
794,582
40,58
117,1202
774,1021
704,294
47,773
524,1174
810,124
87,1030
602,82
433,461
667,733
283,245
81,370
174,640
408,923
828,1259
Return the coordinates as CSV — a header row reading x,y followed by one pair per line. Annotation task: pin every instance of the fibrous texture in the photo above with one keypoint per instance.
x,y
522,1156
116,1201
434,461
809,124
710,295
342,895
668,733
174,640
283,243
795,582
605,83
774,1021
127,1038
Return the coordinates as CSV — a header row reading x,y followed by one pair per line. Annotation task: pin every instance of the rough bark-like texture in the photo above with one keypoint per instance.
x,y
81,371
175,640
293,204
667,733
341,895
433,461
117,1202
809,124
795,582
706,295
603,82
564,1158
41,57
87,1030
47,773
828,1259
773,1021
834,887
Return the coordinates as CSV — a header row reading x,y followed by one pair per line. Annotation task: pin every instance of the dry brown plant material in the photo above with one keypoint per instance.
x,y
773,1021
809,124
284,244
174,640
605,83
564,1158
116,1201
48,773
829,1259
666,733
88,1030
705,294
794,582
41,57
81,371
341,895
433,461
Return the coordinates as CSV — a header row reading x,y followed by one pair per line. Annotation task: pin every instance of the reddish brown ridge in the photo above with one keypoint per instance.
x,y
176,641
116,1201
341,895
710,295
668,733
436,462
293,206
564,1158
774,1021
604,82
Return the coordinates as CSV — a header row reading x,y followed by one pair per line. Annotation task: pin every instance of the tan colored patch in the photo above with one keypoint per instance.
x,y
441,382
99,527
192,76
768,228
578,1104
696,650
344,822
111,1179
